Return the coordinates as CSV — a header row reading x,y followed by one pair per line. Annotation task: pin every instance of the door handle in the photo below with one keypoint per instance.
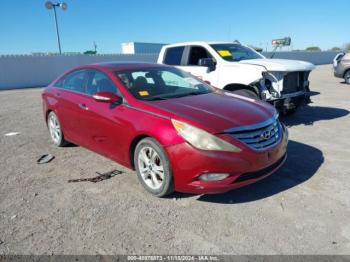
x,y
57,94
83,106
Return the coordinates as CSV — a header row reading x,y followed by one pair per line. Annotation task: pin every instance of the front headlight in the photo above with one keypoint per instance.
x,y
202,139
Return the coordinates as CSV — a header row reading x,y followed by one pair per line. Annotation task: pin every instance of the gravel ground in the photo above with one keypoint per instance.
x,y
302,209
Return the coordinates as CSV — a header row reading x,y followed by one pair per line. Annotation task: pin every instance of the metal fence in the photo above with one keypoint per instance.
x,y
22,71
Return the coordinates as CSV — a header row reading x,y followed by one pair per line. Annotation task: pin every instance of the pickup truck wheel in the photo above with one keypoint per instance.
x,y
246,93
347,77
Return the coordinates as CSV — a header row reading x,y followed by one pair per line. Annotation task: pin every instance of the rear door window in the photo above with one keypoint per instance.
x,y
197,53
173,55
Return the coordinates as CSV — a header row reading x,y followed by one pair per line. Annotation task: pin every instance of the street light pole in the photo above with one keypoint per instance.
x,y
57,31
63,6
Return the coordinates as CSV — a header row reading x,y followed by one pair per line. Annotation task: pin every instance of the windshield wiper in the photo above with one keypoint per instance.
x,y
199,93
169,96
155,98
190,94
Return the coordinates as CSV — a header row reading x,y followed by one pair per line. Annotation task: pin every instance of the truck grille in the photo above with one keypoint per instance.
x,y
294,82
259,136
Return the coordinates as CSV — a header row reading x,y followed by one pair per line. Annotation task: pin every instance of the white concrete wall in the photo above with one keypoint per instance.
x,y
21,71
317,58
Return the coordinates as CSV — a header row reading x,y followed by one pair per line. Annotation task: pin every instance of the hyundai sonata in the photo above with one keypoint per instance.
x,y
177,132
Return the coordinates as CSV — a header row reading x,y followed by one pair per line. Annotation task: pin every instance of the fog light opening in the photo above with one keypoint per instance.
x,y
213,176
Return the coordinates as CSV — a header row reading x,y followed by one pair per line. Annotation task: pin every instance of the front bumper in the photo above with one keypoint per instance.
x,y
288,90
291,95
245,167
291,101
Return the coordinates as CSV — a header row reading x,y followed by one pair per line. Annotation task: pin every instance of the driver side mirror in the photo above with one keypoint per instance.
x,y
108,97
207,62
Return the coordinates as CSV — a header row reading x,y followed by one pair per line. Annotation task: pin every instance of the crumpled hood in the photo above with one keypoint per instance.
x,y
216,112
281,65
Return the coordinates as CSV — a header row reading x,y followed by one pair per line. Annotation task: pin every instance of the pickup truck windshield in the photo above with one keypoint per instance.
x,y
235,52
161,83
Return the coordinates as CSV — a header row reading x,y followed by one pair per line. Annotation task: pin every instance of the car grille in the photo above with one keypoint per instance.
x,y
294,82
259,136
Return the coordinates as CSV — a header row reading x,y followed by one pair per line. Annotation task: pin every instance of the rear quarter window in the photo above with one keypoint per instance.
x,y
173,55
59,83
74,81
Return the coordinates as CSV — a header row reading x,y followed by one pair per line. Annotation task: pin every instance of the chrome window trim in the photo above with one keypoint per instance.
x,y
84,93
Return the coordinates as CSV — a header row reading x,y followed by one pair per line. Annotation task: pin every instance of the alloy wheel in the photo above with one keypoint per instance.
x,y
151,168
55,129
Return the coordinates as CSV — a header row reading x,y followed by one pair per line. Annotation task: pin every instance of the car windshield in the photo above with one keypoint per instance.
x,y
161,83
235,52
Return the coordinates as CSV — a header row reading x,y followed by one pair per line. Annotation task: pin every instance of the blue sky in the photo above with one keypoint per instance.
x,y
26,26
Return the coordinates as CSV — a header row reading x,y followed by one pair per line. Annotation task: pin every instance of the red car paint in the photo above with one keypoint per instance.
x,y
114,132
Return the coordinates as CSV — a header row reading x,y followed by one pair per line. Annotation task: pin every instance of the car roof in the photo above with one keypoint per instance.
x,y
201,43
116,65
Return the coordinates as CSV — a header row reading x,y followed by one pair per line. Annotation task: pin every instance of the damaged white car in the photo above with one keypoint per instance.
x,y
242,70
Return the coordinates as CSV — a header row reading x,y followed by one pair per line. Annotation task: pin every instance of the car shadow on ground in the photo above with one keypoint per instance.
x,y
70,144
302,163
310,114
314,93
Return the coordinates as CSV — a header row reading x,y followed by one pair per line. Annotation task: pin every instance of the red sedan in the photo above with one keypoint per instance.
x,y
177,132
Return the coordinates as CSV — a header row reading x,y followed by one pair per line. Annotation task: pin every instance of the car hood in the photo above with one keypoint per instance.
x,y
216,112
281,65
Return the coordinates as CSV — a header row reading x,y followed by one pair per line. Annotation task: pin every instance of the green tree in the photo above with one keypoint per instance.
x,y
347,47
313,48
90,52
335,49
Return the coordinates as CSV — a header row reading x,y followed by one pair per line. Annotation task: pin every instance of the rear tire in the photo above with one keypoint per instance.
x,y
347,77
246,93
55,130
153,168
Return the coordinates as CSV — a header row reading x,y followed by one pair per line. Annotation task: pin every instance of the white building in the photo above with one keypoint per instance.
x,y
141,48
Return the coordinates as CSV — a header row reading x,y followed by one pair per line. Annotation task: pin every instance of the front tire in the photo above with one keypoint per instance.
x,y
55,130
153,168
347,77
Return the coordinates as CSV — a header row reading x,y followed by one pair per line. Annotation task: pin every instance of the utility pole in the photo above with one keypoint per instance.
x,y
49,5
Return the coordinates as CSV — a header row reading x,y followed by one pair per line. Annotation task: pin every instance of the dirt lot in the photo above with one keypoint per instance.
x,y
303,209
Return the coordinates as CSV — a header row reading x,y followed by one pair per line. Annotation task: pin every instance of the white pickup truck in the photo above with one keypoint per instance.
x,y
242,70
